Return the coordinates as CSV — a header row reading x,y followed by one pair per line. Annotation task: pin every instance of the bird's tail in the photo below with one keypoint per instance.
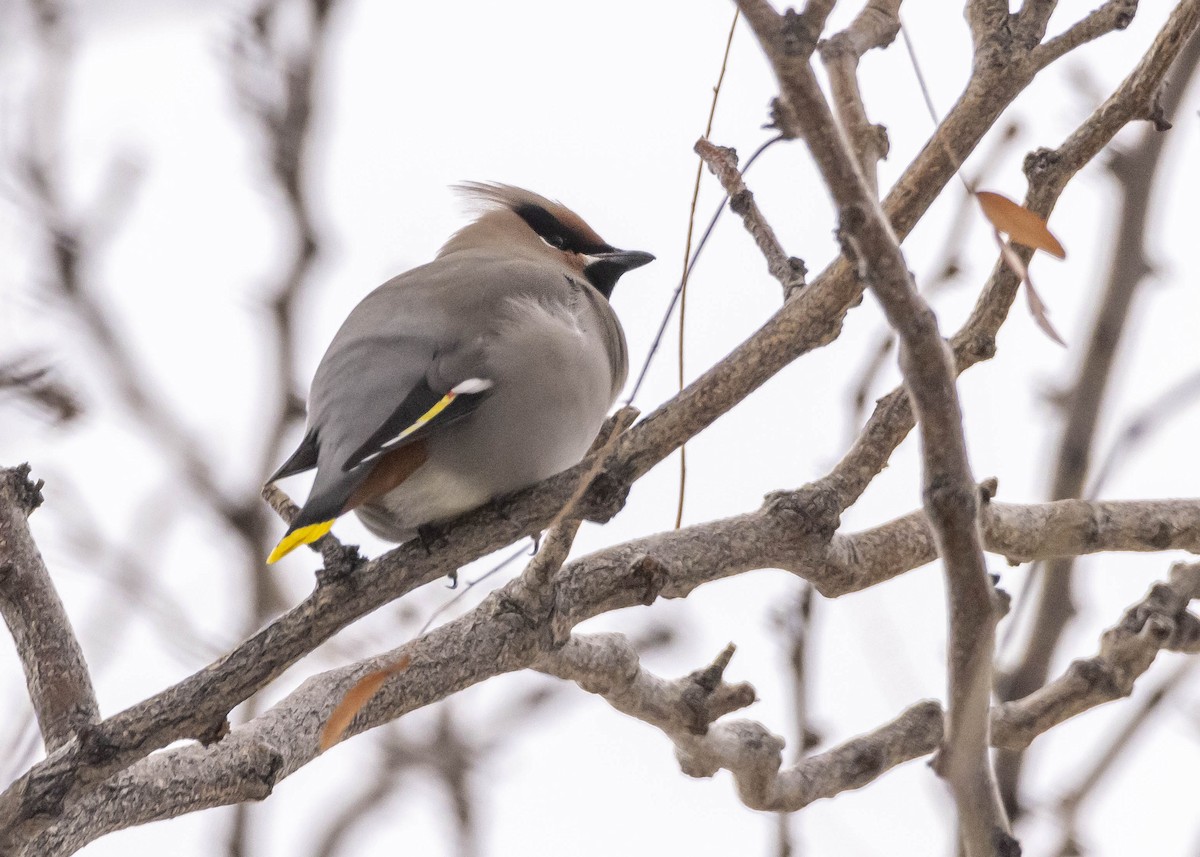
x,y
304,535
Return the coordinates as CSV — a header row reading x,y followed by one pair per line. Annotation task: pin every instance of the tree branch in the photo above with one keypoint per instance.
x,y
788,270
874,27
56,673
496,638
949,489
1128,269
1159,621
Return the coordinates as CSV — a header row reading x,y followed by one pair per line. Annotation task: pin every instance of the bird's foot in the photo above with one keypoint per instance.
x,y
432,536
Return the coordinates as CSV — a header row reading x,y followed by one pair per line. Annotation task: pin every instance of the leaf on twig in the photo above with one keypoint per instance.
x,y
1036,308
1019,223
355,700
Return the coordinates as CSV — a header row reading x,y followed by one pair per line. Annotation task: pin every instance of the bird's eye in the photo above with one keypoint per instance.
x,y
555,240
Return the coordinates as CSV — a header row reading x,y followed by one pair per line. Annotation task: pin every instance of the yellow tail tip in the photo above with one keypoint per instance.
x,y
303,536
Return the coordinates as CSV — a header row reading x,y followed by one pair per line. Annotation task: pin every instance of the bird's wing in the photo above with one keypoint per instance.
x,y
422,411
372,403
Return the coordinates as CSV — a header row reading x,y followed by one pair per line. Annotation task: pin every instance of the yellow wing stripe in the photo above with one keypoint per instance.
x,y
442,404
303,536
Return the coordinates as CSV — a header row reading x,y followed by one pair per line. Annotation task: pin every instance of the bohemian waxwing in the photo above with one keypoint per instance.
x,y
489,369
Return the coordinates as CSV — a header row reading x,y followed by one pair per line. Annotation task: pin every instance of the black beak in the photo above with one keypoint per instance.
x,y
606,268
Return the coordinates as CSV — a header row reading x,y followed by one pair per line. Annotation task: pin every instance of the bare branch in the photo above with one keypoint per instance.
x,y
949,489
75,781
1048,172
874,27
1154,416
56,673
685,708
492,639
1160,621
1113,15
28,381
788,270
606,664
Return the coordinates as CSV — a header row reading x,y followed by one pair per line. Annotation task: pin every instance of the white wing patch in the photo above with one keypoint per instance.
x,y
471,386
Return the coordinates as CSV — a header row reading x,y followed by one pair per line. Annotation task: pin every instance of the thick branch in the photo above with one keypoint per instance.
x,y
494,639
949,489
874,27
56,673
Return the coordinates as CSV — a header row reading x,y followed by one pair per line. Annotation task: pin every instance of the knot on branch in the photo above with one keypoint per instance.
x,y
798,35
647,576
525,611
975,347
809,514
1125,13
339,562
261,770
783,119
987,490
796,277
1040,163
1156,113
25,491
1004,845
605,497
746,747
851,221
213,732
948,499
96,746
707,697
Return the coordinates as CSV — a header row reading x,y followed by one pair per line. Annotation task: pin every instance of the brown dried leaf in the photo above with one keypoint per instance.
x,y
1019,223
355,700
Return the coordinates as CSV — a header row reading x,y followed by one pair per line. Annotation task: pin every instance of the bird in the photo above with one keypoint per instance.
x,y
484,371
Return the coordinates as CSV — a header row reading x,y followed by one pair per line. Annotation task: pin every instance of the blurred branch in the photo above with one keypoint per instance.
x,y
795,623
447,755
1149,704
944,272
1153,417
35,384
276,75
282,106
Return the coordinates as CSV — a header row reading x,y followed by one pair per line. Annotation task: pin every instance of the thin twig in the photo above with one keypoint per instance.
x,y
687,255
